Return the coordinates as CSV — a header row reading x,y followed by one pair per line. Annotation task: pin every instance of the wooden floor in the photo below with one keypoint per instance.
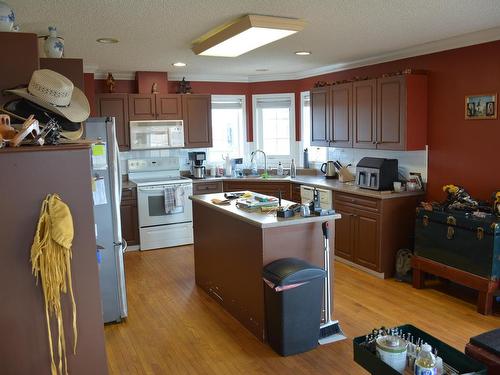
x,y
175,328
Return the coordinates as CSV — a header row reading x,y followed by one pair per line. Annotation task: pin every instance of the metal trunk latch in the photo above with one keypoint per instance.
x,y
480,233
451,221
425,220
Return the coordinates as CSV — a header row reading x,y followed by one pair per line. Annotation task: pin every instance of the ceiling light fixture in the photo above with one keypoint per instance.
x,y
303,53
245,34
107,40
179,64
262,70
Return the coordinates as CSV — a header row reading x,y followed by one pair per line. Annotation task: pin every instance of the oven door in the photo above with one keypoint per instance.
x,y
151,205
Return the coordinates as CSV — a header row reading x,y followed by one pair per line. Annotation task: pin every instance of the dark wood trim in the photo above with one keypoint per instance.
x,y
484,286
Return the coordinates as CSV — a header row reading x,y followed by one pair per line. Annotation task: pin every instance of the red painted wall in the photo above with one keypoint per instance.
x,y
461,152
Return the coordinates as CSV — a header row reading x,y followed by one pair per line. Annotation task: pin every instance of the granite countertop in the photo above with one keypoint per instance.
x,y
321,182
256,217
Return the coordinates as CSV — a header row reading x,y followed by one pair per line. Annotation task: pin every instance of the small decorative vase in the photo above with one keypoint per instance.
x,y
7,17
53,46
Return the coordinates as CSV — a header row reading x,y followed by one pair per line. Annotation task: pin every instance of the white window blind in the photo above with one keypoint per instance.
x,y
274,123
228,128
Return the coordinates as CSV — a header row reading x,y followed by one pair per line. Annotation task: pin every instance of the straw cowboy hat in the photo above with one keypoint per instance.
x,y
56,93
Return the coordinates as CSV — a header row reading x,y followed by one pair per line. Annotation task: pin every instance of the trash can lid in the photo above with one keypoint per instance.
x,y
289,271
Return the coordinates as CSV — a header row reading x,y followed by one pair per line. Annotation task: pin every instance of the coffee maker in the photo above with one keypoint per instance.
x,y
197,168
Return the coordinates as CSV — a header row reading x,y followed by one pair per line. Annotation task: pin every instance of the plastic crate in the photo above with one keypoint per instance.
x,y
451,356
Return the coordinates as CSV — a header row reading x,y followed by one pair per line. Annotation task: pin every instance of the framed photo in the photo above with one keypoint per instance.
x,y
481,107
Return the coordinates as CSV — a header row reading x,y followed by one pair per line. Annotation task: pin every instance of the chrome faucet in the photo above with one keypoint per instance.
x,y
265,159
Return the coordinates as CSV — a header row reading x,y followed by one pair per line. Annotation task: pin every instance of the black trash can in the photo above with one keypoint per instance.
x,y
293,300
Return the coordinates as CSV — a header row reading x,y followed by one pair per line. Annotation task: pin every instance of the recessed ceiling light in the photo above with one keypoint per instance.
x,y
303,53
107,40
179,64
245,34
262,70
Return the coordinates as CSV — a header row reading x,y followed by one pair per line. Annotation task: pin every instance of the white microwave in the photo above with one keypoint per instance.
x,y
156,134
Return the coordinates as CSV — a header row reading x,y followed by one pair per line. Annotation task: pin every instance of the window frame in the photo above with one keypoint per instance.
x,y
257,127
242,98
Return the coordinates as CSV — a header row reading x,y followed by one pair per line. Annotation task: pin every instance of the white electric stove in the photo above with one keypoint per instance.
x,y
159,228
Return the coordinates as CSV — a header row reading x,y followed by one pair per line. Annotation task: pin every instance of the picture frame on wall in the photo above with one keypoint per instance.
x,y
481,107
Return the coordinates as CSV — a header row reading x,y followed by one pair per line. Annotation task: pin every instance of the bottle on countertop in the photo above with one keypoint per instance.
x,y
293,169
228,169
306,158
280,169
425,364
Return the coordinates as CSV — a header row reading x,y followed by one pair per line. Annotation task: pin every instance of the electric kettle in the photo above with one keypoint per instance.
x,y
328,169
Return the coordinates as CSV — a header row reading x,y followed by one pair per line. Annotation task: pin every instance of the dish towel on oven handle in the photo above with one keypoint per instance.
x,y
169,197
179,196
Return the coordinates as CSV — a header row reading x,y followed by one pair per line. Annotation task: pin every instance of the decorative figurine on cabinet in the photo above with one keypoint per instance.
x,y
110,83
184,87
154,88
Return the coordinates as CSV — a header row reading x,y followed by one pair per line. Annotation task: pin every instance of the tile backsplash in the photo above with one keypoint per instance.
x,y
409,161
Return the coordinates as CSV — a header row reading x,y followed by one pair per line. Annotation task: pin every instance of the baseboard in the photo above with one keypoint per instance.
x,y
133,248
380,275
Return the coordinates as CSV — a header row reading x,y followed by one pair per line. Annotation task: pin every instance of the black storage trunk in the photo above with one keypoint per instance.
x,y
451,356
459,240
293,316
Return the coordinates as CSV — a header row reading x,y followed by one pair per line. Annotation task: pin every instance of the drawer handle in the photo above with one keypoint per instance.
x,y
480,233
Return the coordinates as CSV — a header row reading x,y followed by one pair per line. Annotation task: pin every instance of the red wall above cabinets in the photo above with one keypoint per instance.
x,y
460,151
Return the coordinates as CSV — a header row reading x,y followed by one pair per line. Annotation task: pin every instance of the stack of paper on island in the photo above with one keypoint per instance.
x,y
257,200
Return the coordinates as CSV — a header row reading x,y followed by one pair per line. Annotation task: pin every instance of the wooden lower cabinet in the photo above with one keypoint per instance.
x,y
207,187
344,233
267,188
366,244
372,230
295,192
130,216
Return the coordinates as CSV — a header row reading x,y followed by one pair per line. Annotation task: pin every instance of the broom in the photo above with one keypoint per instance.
x,y
330,330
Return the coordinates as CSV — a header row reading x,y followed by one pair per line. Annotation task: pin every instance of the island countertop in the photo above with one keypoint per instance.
x,y
255,216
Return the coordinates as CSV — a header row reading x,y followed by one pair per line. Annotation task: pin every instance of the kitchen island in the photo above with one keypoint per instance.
x,y
232,245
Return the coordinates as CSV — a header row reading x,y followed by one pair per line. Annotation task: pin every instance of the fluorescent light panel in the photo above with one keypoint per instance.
x,y
246,34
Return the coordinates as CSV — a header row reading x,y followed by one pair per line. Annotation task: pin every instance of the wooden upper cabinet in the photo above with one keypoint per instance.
x,y
142,106
320,116
169,107
388,113
364,114
116,105
341,115
391,129
402,112
197,115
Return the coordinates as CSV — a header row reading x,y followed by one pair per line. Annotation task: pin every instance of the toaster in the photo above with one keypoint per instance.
x,y
376,173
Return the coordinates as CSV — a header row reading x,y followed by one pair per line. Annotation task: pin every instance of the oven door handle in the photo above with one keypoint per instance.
x,y
145,189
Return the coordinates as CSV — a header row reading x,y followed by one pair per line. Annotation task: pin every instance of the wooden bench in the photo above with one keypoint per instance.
x,y
484,286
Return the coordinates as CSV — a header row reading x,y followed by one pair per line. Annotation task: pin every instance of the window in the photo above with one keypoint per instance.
x,y
315,153
274,124
228,127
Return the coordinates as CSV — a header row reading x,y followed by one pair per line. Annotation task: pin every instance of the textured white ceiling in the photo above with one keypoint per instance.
x,y
154,34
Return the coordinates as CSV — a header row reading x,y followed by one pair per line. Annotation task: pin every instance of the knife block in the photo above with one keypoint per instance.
x,y
345,175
